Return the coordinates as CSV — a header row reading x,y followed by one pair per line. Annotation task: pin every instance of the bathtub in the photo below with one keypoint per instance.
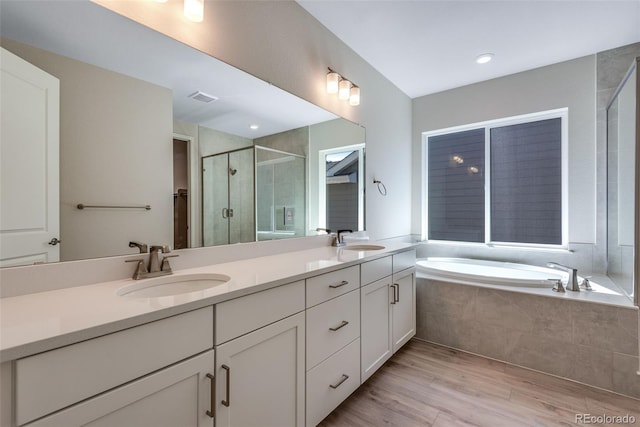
x,y
481,272
513,277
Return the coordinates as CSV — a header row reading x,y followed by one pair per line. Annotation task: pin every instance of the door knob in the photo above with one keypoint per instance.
x,y
54,241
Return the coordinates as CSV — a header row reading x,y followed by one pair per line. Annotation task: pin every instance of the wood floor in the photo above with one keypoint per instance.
x,y
428,385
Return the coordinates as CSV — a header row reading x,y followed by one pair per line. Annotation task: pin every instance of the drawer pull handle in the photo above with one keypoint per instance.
x,y
227,402
210,412
344,282
342,325
395,298
343,379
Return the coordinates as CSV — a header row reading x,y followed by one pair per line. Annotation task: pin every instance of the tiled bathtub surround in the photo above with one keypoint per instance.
x,y
594,344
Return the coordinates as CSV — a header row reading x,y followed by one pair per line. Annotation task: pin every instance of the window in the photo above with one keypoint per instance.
x,y
341,192
499,182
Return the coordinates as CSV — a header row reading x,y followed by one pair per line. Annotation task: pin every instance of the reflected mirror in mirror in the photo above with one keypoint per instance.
x,y
139,117
622,143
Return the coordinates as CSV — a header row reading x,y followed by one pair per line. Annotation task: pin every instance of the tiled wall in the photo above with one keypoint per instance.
x,y
594,344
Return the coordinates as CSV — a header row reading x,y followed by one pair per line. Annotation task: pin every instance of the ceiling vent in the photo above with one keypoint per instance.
x,y
203,97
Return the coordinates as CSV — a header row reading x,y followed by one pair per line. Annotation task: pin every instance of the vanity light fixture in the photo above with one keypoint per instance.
x,y
484,58
194,10
345,89
354,95
333,79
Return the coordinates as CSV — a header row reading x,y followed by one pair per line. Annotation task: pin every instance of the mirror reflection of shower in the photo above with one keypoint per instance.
x,y
280,194
252,194
342,183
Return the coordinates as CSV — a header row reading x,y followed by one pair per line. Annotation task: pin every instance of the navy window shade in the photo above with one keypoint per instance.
x,y
526,183
456,186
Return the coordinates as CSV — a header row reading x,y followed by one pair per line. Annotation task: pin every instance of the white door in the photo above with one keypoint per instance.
x,y
404,309
375,334
179,395
260,377
29,174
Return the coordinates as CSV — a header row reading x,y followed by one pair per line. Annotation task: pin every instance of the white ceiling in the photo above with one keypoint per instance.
x,y
90,33
427,46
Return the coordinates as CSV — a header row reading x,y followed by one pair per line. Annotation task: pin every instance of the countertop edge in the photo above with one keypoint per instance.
x,y
39,346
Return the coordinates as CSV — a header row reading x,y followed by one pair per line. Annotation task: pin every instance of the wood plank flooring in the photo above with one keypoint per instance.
x,y
425,384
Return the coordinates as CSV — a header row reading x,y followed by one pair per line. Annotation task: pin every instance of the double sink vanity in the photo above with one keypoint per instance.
x,y
278,340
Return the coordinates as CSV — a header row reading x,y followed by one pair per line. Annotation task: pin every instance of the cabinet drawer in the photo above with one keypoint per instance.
x,y
331,326
375,270
245,314
326,286
404,260
58,378
332,381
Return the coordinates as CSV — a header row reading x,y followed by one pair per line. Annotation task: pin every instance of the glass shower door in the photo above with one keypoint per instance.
x,y
215,200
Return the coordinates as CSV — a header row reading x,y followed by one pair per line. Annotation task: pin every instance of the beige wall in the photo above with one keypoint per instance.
x,y
281,43
568,84
115,149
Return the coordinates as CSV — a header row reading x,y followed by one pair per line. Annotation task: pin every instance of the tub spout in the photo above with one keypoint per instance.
x,y
572,281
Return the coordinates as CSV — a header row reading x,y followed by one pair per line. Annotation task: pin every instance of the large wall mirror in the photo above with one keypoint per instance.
x,y
158,143
622,181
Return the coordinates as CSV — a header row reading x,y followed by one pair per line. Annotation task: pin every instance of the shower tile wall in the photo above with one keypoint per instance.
x,y
591,343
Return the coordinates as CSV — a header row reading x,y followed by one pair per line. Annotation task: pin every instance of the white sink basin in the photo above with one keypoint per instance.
x,y
363,247
172,285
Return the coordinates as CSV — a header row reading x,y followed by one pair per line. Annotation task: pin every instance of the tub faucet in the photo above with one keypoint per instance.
x,y
572,281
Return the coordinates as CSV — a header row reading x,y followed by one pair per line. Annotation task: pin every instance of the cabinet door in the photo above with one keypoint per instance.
x,y
375,334
179,395
404,309
260,376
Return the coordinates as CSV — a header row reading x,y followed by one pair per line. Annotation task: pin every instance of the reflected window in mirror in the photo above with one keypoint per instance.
x,y
342,188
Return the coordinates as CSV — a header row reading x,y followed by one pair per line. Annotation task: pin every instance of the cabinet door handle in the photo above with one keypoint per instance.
x,y
225,213
343,379
227,402
397,286
341,325
210,412
394,293
337,285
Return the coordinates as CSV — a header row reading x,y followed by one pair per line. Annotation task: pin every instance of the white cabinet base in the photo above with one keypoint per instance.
x,y
179,395
260,376
375,326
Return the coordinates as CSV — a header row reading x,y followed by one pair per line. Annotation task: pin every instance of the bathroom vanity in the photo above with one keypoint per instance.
x,y
283,342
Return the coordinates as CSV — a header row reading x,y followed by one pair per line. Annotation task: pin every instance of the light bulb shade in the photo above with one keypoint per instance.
x,y
344,87
194,10
354,96
332,82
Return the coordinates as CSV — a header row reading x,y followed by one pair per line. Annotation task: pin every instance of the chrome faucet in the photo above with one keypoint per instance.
x,y
339,239
572,281
155,268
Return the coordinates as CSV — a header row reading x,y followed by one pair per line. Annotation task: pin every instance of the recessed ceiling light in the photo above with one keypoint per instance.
x,y
254,127
484,58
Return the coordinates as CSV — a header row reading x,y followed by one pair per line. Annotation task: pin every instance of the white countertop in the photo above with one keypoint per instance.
x,y
42,321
